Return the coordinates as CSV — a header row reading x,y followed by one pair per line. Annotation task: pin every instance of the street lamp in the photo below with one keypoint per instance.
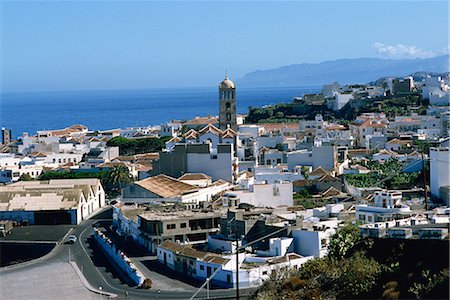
x,y
100,288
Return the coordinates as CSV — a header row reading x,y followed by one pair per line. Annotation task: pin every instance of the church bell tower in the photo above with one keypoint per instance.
x,y
227,105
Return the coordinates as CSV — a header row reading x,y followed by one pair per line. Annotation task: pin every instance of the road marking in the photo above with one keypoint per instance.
x,y
84,249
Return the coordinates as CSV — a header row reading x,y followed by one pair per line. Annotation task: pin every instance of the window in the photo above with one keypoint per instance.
x,y
228,117
227,106
171,226
276,191
183,225
202,267
264,272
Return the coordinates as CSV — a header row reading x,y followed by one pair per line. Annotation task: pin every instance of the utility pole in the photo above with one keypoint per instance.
x,y
237,257
424,177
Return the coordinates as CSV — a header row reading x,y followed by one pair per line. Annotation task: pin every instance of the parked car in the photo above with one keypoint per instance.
x,y
71,239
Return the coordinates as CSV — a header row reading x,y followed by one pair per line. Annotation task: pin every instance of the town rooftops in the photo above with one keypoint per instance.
x,y
177,215
191,135
52,194
319,172
166,187
328,177
194,176
331,191
279,126
188,251
210,129
202,121
229,133
399,142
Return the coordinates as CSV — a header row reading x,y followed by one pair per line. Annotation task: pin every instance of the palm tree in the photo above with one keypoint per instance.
x,y
304,172
118,176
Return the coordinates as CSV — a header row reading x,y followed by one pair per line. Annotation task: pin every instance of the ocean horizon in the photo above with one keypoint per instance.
x,y
109,109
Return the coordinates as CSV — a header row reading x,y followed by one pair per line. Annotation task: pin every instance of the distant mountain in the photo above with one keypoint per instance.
x,y
344,71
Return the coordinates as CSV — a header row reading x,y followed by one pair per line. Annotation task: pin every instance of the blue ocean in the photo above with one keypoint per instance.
x,y
108,109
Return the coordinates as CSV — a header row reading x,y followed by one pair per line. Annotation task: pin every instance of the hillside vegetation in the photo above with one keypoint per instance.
x,y
367,269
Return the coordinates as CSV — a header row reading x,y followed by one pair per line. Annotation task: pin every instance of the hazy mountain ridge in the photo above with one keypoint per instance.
x,y
359,70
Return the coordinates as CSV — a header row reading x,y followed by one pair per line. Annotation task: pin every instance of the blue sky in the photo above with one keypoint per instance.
x,y
118,45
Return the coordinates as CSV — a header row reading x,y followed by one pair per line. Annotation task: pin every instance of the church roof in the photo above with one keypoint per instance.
x,y
227,84
229,133
191,134
210,128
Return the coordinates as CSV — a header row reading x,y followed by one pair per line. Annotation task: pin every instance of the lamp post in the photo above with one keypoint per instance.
x,y
207,288
100,288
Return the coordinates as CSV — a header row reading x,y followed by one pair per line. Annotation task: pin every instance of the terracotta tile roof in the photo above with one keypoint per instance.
x,y
194,176
216,259
77,128
400,142
191,252
149,156
300,183
202,121
166,187
387,152
319,172
332,191
328,177
171,246
37,154
279,126
113,164
191,135
210,128
229,133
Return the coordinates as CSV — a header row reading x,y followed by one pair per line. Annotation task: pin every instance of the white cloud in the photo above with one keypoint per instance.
x,y
401,51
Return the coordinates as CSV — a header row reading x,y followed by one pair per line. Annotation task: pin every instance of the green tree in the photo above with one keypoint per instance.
x,y
118,176
25,177
304,172
344,240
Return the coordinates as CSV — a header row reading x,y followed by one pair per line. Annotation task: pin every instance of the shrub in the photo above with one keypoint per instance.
x,y
147,284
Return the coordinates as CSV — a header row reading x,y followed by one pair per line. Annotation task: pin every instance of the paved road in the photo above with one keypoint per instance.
x,y
100,273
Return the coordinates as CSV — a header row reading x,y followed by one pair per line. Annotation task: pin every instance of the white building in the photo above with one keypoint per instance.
x,y
340,99
165,189
313,242
440,172
62,201
324,156
387,206
265,194
253,269
272,174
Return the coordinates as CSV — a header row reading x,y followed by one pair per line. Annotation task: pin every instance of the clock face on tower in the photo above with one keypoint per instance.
x,y
227,105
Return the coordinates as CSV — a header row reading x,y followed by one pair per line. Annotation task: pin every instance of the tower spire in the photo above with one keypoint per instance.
x,y
226,73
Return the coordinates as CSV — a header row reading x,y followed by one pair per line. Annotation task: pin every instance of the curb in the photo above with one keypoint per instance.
x,y
39,259
87,284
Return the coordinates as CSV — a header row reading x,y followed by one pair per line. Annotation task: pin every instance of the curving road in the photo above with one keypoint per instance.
x,y
99,272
